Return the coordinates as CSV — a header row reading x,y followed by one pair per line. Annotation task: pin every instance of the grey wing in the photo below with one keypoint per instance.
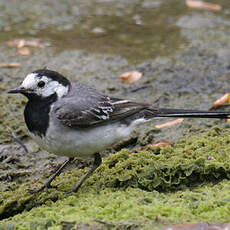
x,y
81,111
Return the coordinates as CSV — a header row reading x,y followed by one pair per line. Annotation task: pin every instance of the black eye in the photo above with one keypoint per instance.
x,y
41,84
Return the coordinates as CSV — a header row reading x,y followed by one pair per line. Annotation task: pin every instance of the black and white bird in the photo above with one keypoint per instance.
x,y
74,120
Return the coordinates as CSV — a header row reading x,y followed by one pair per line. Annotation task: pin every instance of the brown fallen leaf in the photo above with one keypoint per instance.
x,y
159,144
19,43
203,5
10,65
23,45
170,123
221,101
130,77
24,51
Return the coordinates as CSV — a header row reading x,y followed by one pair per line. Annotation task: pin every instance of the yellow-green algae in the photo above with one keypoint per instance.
x,y
11,114
187,182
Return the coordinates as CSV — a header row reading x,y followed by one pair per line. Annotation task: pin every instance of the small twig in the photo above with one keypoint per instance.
x,y
8,159
16,139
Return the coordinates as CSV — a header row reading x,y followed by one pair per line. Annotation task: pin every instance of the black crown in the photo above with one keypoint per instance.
x,y
52,75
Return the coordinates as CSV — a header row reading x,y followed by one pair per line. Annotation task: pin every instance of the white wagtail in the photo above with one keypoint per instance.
x,y
74,120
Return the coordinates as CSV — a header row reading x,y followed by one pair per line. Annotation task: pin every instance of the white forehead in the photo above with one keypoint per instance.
x,y
32,79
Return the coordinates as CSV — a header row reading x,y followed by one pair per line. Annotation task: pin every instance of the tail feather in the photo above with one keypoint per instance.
x,y
188,113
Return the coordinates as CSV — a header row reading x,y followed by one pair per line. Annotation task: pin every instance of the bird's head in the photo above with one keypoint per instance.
x,y
43,83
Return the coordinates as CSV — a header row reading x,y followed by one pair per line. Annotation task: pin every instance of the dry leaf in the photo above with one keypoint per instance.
x,y
203,5
24,51
130,77
170,123
19,43
10,65
221,101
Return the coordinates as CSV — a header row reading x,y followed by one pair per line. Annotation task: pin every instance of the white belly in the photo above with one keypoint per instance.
x,y
81,143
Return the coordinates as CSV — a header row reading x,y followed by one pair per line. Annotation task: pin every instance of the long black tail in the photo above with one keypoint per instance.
x,y
189,113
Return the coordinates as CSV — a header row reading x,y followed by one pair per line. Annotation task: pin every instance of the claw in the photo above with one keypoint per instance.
x,y
48,185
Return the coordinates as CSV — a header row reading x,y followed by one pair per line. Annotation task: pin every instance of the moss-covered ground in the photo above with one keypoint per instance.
x,y
11,116
184,183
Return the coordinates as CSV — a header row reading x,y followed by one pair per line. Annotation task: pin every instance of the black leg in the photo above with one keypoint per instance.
x,y
96,164
57,173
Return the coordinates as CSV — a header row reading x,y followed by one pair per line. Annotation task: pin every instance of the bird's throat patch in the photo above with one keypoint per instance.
x,y
37,114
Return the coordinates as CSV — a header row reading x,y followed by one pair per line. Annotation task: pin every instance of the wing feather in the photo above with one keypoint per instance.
x,y
80,111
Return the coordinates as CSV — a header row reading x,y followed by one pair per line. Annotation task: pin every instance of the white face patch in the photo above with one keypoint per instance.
x,y
31,84
30,81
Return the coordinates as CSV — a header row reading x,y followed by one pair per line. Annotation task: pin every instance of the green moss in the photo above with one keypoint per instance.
x,y
187,182
208,203
11,114
190,161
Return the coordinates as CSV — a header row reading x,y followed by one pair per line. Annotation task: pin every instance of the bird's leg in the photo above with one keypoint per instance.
x,y
57,173
96,164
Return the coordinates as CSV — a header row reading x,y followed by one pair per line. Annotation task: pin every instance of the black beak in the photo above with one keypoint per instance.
x,y
19,89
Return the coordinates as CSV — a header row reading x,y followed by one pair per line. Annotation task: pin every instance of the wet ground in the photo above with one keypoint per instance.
x,y
183,53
